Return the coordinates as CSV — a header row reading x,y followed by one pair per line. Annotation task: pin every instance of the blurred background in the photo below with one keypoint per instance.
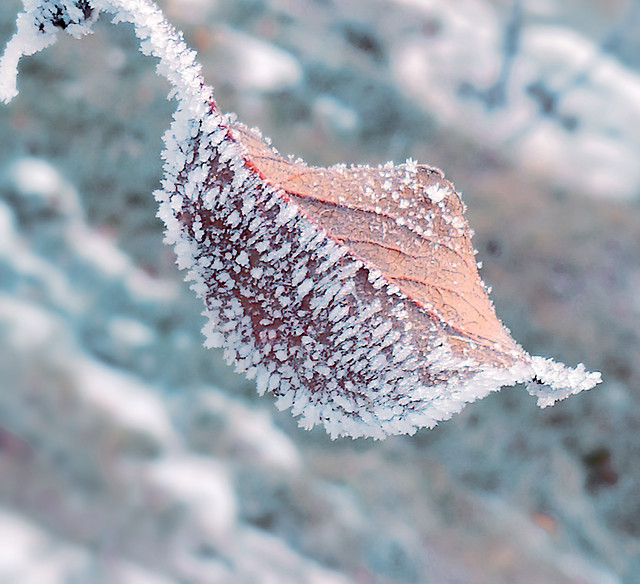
x,y
129,454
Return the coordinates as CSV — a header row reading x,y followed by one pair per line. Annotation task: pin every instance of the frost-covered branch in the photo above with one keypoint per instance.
x,y
351,293
42,20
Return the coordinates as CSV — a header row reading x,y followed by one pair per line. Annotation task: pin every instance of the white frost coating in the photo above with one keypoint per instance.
x,y
27,40
287,302
558,382
304,288
437,193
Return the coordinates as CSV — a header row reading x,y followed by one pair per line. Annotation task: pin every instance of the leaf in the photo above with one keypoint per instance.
x,y
351,293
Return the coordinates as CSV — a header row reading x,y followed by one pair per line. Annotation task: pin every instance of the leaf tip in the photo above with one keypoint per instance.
x,y
554,381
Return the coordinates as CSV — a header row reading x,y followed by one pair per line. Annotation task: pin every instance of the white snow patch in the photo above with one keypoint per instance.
x,y
123,396
34,177
130,332
261,66
252,433
29,555
204,485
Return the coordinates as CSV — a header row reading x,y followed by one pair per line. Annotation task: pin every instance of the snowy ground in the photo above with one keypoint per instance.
x,y
130,454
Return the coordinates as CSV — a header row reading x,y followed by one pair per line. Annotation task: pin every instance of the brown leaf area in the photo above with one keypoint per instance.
x,y
407,222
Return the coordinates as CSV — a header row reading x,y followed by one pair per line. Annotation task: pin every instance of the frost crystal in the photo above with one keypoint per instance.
x,y
351,293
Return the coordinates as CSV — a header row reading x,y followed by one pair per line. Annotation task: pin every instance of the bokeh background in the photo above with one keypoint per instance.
x,y
129,454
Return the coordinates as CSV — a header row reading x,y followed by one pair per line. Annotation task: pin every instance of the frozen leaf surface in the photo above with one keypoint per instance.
x,y
351,293
407,223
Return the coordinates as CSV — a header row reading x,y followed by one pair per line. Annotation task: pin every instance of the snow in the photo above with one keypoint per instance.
x,y
252,433
36,178
200,483
336,115
260,66
23,541
99,251
123,398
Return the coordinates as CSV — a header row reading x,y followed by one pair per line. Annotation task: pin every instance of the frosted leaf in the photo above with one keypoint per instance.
x,y
351,293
